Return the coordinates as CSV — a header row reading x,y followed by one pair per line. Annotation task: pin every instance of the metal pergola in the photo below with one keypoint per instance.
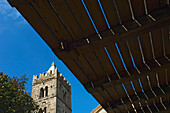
x,y
118,49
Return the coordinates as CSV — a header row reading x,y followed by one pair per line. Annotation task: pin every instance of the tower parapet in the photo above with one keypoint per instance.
x,y
50,74
52,91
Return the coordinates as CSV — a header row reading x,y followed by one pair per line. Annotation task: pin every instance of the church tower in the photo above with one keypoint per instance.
x,y
52,92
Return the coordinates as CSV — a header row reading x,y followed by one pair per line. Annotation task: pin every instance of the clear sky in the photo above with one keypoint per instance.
x,y
23,51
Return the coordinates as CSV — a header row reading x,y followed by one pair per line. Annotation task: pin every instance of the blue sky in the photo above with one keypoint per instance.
x,y
23,51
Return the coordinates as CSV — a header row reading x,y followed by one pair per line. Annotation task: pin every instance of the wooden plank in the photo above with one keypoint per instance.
x,y
86,67
115,58
135,50
122,109
82,17
101,54
114,94
136,85
73,67
65,14
138,7
124,10
129,88
110,12
130,108
125,54
99,98
45,11
166,40
146,46
152,78
168,74
157,42
88,53
162,77
96,14
155,4
121,91
36,22
144,82
152,5
105,94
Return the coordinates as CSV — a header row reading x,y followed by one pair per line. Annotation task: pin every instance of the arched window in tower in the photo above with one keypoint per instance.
x,y
40,111
50,71
45,110
41,92
46,91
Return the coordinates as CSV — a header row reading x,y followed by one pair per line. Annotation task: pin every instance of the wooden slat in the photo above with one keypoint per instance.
x,y
122,109
115,58
153,81
91,58
155,4
125,54
146,46
74,68
121,91
129,88
130,108
152,5
35,21
157,42
135,50
45,10
82,17
106,95
166,40
86,67
124,9
113,93
138,7
136,85
96,14
99,98
67,17
100,52
110,12
144,82
137,106
162,77
168,76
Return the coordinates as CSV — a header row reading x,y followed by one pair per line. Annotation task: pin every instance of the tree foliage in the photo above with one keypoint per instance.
x,y
13,97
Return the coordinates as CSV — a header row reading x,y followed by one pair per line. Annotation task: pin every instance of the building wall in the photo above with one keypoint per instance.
x,y
99,109
58,99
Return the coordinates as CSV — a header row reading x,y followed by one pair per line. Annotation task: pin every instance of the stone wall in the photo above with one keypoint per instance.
x,y
58,99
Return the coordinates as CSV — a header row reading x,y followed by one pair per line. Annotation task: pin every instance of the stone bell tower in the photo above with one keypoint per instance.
x,y
52,92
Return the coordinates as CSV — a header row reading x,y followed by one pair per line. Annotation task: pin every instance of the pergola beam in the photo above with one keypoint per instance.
x,y
118,33
113,105
15,3
106,83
